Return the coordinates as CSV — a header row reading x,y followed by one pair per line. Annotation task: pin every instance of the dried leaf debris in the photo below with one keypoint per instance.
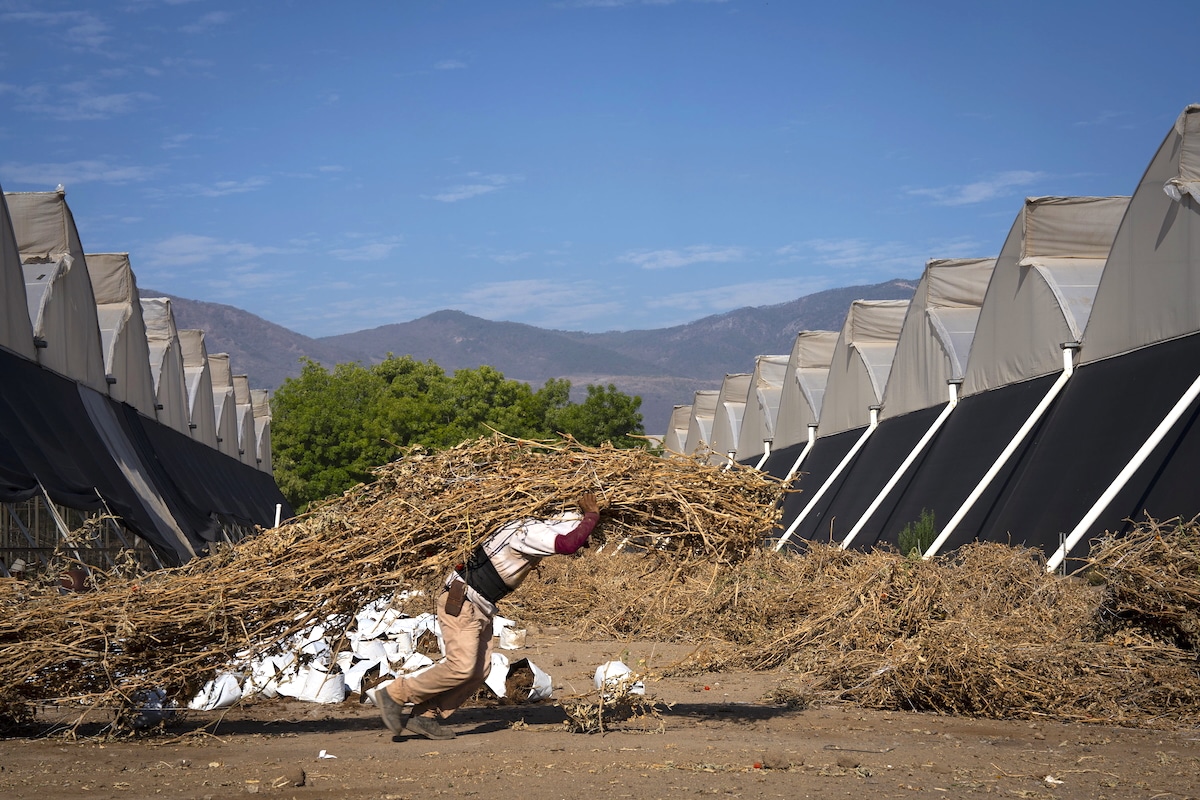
x,y
984,631
173,630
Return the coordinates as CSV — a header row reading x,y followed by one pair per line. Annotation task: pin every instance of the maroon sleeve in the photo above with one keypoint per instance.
x,y
567,543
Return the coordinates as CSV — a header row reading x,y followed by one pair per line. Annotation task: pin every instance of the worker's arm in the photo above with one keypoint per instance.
x,y
567,543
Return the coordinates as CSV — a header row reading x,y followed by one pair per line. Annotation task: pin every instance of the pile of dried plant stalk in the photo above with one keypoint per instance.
x,y
421,514
679,556
985,631
598,711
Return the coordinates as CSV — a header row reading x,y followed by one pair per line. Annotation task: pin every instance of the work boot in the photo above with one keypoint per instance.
x,y
430,728
395,716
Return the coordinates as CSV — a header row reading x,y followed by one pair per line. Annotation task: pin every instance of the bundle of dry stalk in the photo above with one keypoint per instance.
x,y
1153,579
174,629
983,632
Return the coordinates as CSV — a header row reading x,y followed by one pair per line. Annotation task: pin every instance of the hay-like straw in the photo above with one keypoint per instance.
x,y
173,630
984,632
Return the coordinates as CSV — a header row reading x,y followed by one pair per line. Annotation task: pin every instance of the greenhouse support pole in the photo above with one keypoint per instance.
x,y
1069,349
845,462
1139,458
916,451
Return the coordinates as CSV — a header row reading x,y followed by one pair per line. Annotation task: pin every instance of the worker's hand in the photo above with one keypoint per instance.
x,y
587,502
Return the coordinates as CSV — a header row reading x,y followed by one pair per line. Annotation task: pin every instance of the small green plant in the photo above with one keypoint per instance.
x,y
917,536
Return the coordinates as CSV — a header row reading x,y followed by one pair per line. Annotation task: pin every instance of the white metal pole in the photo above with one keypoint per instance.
x,y
845,462
766,454
278,512
1139,458
912,456
1069,350
812,439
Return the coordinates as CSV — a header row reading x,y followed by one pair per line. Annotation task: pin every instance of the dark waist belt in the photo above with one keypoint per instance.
x,y
480,574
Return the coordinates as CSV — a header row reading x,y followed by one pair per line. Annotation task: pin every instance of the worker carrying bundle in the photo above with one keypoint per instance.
x,y
465,609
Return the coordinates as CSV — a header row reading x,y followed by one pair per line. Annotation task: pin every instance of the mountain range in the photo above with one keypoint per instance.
x,y
664,366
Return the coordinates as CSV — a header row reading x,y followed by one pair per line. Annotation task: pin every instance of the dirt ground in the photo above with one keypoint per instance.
x,y
716,734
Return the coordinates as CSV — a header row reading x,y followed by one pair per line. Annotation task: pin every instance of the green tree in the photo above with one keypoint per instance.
x,y
326,430
329,428
607,415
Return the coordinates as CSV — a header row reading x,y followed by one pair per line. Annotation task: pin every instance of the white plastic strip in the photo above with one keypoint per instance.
x,y
899,473
845,462
766,454
1135,463
1002,459
812,439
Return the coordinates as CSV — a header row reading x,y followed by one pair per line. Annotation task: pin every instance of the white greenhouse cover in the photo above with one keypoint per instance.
x,y
247,443
166,362
862,359
224,404
803,391
936,338
62,310
16,331
704,406
727,417
1042,288
675,439
1150,291
202,416
261,401
122,330
762,405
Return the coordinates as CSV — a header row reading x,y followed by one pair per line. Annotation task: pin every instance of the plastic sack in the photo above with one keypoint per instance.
x,y
614,674
220,692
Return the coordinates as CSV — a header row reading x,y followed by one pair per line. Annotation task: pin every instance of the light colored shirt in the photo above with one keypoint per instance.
x,y
517,548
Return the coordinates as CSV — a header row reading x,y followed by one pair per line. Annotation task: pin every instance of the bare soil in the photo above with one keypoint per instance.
x,y
716,734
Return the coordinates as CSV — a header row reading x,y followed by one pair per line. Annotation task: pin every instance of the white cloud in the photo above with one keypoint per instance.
x,y
207,22
78,100
450,63
368,251
224,188
672,259
1102,118
482,184
80,28
738,295
185,249
1000,185
524,294
509,257
856,259
73,172
177,140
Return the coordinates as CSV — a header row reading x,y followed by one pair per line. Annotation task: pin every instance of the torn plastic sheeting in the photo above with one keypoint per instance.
x,y
1176,188
266,673
356,672
497,679
512,638
314,685
614,674
221,692
368,649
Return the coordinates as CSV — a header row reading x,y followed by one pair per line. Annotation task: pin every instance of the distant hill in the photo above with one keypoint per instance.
x,y
664,366
266,352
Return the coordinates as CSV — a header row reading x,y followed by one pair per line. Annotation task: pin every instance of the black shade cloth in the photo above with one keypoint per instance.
x,y
1097,425
90,452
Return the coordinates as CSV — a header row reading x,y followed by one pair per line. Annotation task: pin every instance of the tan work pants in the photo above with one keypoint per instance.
x,y
445,686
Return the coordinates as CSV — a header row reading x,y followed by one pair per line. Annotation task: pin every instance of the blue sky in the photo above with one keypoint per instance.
x,y
585,165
